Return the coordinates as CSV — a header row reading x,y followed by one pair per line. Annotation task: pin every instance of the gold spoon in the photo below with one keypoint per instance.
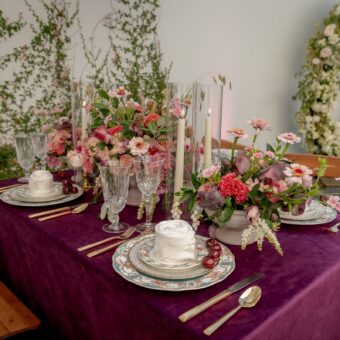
x,y
76,210
248,299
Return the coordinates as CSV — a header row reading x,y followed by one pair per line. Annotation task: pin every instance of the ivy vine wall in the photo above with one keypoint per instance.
x,y
259,45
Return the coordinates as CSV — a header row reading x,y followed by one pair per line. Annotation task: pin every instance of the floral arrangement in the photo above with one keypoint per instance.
x,y
319,87
122,129
258,182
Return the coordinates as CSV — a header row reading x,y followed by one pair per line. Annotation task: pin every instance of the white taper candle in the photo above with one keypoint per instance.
x,y
179,173
207,141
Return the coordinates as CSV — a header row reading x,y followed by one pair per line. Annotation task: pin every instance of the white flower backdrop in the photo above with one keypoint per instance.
x,y
259,45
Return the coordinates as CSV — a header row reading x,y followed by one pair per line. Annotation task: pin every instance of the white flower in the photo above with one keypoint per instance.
x,y
316,61
333,39
300,174
326,52
337,10
329,30
138,146
289,137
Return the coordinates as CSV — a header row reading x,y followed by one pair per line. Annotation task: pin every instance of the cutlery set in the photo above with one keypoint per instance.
x,y
249,298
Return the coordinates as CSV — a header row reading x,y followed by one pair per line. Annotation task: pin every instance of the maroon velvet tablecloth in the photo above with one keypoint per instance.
x,y
84,298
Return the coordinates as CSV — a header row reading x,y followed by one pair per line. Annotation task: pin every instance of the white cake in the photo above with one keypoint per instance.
x,y
174,243
40,183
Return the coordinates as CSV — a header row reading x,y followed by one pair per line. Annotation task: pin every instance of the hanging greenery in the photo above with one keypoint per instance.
x,y
39,86
137,58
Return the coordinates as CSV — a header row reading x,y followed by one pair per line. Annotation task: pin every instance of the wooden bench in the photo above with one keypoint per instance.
x,y
15,317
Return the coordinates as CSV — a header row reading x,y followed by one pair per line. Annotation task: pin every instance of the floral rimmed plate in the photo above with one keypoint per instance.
x,y
143,249
328,216
22,194
124,268
5,197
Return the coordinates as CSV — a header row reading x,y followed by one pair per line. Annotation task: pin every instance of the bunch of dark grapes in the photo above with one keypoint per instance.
x,y
68,187
215,250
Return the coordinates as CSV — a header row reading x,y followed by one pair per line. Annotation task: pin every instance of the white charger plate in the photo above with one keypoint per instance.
x,y
328,216
5,197
123,266
23,194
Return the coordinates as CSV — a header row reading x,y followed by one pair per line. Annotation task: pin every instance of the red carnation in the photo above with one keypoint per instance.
x,y
151,117
230,186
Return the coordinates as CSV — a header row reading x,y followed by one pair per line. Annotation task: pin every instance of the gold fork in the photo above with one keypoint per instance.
x,y
122,236
111,246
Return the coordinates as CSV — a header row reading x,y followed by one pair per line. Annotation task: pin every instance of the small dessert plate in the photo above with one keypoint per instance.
x,y
23,194
313,212
144,249
165,274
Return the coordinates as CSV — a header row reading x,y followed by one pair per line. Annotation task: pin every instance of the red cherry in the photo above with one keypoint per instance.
x,y
208,262
74,190
66,190
216,246
210,242
215,254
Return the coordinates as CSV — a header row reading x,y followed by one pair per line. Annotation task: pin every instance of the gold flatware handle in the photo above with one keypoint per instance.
x,y
48,212
203,306
217,324
3,189
54,216
88,246
9,186
105,249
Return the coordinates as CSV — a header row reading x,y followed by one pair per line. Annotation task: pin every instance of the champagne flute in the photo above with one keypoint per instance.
x,y
115,183
25,155
148,175
39,141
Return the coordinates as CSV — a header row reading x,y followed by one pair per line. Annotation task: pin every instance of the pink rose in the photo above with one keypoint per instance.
x,y
214,169
329,30
76,159
326,52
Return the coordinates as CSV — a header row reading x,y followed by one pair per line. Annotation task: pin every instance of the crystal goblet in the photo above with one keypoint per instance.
x,y
115,183
25,155
39,141
148,175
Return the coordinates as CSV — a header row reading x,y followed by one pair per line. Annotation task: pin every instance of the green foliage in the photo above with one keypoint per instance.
x,y
40,79
8,164
137,57
318,89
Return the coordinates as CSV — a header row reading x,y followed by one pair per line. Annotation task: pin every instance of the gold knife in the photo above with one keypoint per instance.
x,y
219,297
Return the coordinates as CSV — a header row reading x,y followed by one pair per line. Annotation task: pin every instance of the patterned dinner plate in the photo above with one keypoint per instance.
x,y
5,197
328,216
22,194
123,266
143,248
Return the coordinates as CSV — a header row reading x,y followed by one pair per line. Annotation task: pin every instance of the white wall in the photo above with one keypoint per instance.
x,y
259,45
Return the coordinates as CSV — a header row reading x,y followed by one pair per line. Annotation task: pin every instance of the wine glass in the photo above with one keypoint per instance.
x,y
25,155
148,175
115,183
39,141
